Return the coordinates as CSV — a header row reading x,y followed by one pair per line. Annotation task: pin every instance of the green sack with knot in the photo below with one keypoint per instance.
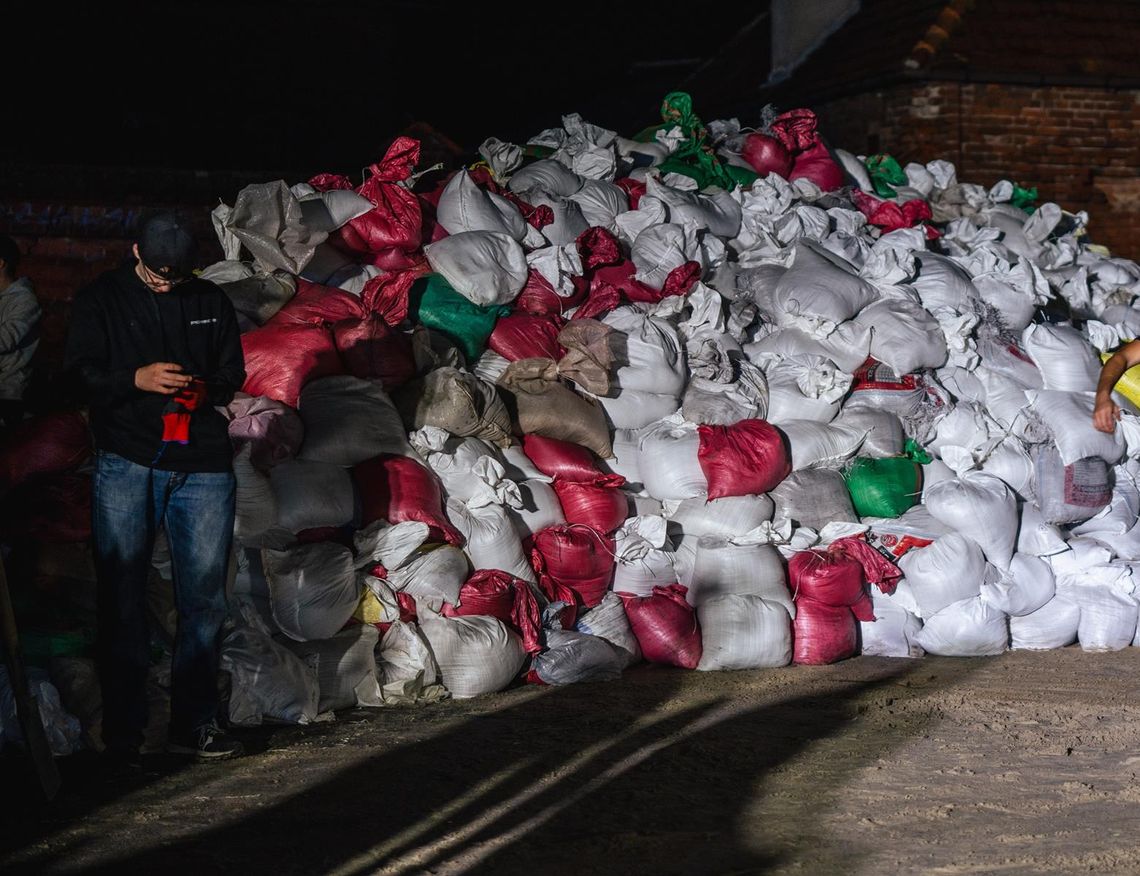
x,y
885,173
434,303
694,157
886,487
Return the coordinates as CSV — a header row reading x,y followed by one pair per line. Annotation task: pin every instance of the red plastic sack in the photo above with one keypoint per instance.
x,y
598,247
599,504
766,155
890,216
372,349
315,304
817,165
565,459
527,336
665,625
837,575
44,445
539,297
397,488
386,295
796,129
744,459
574,558
391,232
498,594
823,633
281,359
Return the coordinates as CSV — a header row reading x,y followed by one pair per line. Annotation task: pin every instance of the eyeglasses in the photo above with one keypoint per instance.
x,y
154,280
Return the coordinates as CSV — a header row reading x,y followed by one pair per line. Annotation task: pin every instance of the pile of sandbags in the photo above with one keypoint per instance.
x,y
711,398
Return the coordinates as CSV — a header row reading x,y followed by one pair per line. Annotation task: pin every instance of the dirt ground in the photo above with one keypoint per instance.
x,y
1024,763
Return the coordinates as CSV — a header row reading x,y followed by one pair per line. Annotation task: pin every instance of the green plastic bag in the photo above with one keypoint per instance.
x,y
886,487
433,303
1024,198
694,157
885,173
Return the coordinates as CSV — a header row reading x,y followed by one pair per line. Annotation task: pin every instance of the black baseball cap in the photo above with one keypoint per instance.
x,y
166,246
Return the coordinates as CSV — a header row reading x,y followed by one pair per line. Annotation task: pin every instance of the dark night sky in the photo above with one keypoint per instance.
x,y
322,86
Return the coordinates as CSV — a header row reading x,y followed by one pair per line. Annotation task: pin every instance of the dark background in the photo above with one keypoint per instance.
x,y
293,88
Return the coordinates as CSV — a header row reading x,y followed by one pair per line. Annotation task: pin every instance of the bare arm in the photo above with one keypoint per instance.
x,y
1106,412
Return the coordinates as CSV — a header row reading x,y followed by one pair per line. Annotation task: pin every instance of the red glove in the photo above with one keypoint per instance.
x,y
176,414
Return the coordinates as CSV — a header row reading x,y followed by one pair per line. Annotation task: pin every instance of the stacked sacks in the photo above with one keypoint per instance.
x,y
630,375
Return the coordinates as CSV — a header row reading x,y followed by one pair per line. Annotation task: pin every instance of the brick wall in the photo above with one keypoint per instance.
x,y
1079,146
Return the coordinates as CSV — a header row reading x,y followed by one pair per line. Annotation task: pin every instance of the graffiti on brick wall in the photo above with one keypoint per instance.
x,y
33,219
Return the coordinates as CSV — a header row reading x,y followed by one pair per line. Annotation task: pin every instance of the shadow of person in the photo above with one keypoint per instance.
x,y
654,774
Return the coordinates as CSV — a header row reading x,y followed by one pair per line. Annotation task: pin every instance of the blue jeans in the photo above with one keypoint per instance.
x,y
129,503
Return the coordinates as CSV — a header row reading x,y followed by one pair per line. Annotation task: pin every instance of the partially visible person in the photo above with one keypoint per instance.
x,y
20,315
1105,411
157,351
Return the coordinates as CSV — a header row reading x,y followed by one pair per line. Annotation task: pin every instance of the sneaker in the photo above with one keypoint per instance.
x,y
206,743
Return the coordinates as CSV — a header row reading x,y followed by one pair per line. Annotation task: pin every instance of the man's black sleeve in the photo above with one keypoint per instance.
x,y
87,353
229,375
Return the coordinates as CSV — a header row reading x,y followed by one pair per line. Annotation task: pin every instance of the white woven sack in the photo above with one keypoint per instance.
x,y
255,506
821,445
981,507
670,467
948,570
884,431
313,589
626,459
465,206
1072,493
804,388
492,542
739,631
892,632
739,566
405,665
732,515
660,249
967,628
485,267
1064,356
1120,515
311,495
608,621
1035,535
643,556
434,573
1027,586
1015,306
601,203
1068,416
848,346
540,508
329,210
547,175
813,497
1108,615
1054,625
567,224
346,667
632,409
818,291
651,357
716,211
267,680
348,420
477,654
904,335
942,282
454,460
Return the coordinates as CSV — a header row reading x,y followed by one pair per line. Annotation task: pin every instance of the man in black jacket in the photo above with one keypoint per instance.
x,y
157,349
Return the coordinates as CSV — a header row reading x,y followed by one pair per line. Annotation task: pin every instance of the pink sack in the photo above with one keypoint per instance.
x,y
386,295
280,359
823,633
274,429
397,488
599,504
574,558
565,459
539,297
527,336
496,593
44,445
766,155
837,575
389,234
665,626
744,459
